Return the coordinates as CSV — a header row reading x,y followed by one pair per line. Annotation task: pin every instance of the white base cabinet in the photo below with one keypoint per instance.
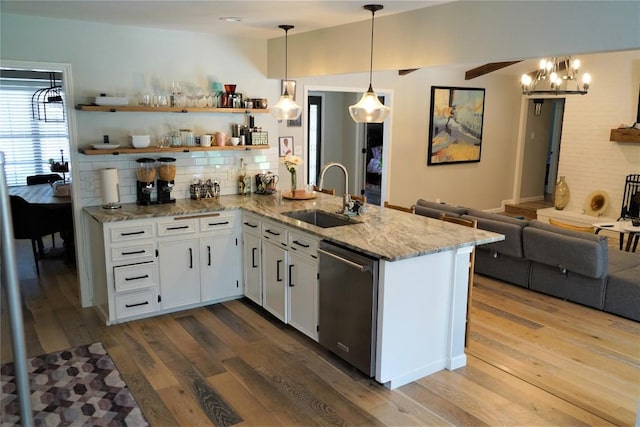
x,y
159,265
281,272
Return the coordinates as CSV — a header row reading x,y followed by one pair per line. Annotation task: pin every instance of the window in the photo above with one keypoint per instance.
x,y
28,144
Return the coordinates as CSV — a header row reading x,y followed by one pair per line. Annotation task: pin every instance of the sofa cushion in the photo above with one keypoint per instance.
x,y
567,250
619,261
509,227
571,233
622,296
458,210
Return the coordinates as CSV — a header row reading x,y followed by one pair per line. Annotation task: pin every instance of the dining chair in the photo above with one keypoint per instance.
x,y
44,179
330,191
31,222
398,207
472,262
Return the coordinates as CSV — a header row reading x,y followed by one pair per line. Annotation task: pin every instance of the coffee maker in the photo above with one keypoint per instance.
x,y
146,175
166,179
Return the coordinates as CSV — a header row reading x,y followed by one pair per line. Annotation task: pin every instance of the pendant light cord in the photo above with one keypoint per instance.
x,y
286,29
373,12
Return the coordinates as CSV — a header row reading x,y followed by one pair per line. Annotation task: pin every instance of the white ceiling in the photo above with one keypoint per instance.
x,y
260,19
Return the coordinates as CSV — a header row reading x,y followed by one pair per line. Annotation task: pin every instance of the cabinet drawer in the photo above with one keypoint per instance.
x,y
251,224
136,303
135,276
132,253
134,232
303,243
217,221
274,233
177,227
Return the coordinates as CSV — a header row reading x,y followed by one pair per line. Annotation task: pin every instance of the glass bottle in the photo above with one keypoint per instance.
x,y
561,194
242,178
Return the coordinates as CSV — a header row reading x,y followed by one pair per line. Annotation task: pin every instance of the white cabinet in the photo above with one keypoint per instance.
x,y
251,255
281,272
303,283
201,268
274,275
219,267
179,272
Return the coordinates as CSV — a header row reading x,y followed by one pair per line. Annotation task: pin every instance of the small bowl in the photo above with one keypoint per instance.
x,y
235,140
140,141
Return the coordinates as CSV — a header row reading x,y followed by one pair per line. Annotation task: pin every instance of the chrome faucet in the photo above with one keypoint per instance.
x,y
346,198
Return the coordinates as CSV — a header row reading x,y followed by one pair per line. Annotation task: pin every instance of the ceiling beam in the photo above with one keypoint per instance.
x,y
407,71
486,69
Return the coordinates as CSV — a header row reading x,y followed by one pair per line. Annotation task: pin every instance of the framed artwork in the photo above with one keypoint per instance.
x,y
295,123
286,145
455,126
290,85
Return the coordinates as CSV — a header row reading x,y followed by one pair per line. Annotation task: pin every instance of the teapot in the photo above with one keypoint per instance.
x,y
266,183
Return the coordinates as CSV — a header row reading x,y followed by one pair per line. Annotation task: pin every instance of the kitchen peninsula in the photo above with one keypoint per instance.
x,y
422,277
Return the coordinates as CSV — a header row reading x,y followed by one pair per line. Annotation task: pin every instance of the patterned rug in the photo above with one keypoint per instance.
x,y
80,387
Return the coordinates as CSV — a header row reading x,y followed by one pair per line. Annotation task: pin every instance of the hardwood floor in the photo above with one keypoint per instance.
x,y
532,360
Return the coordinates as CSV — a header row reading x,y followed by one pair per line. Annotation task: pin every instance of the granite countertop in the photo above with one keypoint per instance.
x,y
383,233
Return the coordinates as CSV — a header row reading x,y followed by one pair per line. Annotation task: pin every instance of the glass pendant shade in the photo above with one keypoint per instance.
x,y
369,109
286,108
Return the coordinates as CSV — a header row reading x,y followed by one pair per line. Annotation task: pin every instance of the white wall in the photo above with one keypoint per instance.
x,y
587,158
122,60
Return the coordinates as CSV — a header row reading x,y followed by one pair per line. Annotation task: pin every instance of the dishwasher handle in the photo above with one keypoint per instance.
x,y
355,265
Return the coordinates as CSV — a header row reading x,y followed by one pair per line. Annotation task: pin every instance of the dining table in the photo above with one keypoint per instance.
x,y
61,211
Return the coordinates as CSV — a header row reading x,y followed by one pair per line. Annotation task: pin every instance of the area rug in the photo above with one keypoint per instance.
x,y
76,387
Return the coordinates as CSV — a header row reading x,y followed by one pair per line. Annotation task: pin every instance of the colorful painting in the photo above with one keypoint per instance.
x,y
455,130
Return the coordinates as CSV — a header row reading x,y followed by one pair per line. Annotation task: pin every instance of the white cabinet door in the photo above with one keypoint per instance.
x,y
303,293
220,267
179,272
252,267
274,279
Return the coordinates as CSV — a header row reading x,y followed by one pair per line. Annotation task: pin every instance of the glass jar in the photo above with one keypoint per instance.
x,y
188,140
166,168
146,171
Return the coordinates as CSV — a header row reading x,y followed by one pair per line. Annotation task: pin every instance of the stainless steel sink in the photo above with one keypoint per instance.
x,y
321,218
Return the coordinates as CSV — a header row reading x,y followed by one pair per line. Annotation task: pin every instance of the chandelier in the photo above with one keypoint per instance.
x,y
557,76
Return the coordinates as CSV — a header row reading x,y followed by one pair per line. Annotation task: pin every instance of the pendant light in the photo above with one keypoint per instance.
x,y
369,109
286,108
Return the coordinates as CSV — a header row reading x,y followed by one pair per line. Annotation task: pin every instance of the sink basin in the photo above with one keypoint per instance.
x,y
321,218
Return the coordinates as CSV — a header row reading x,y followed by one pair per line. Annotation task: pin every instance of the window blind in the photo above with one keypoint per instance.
x,y
28,144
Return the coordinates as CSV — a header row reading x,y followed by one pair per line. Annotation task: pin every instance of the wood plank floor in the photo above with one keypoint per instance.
x,y
532,360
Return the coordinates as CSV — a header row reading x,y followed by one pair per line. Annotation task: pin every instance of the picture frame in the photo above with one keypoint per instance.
x,y
285,143
295,123
290,85
456,118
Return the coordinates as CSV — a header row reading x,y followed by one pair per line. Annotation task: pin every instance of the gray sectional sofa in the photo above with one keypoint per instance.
x,y
568,264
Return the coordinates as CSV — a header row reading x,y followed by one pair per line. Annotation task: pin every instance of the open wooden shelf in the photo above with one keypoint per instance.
x,y
129,150
135,108
625,135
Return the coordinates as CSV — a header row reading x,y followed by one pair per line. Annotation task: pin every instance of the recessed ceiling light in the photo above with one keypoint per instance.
x,y
231,19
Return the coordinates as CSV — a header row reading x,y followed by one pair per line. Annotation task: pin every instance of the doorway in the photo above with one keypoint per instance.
x,y
541,148
332,136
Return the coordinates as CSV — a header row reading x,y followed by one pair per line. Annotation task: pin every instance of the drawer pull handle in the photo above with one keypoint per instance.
x,y
182,227
301,244
278,278
132,233
209,254
248,224
136,305
253,257
291,285
136,278
275,233
219,223
190,258
133,252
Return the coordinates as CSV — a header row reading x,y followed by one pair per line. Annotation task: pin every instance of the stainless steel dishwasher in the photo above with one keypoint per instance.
x,y
348,305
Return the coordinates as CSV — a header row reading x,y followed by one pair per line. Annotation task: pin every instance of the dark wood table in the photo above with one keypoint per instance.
x,y
61,211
